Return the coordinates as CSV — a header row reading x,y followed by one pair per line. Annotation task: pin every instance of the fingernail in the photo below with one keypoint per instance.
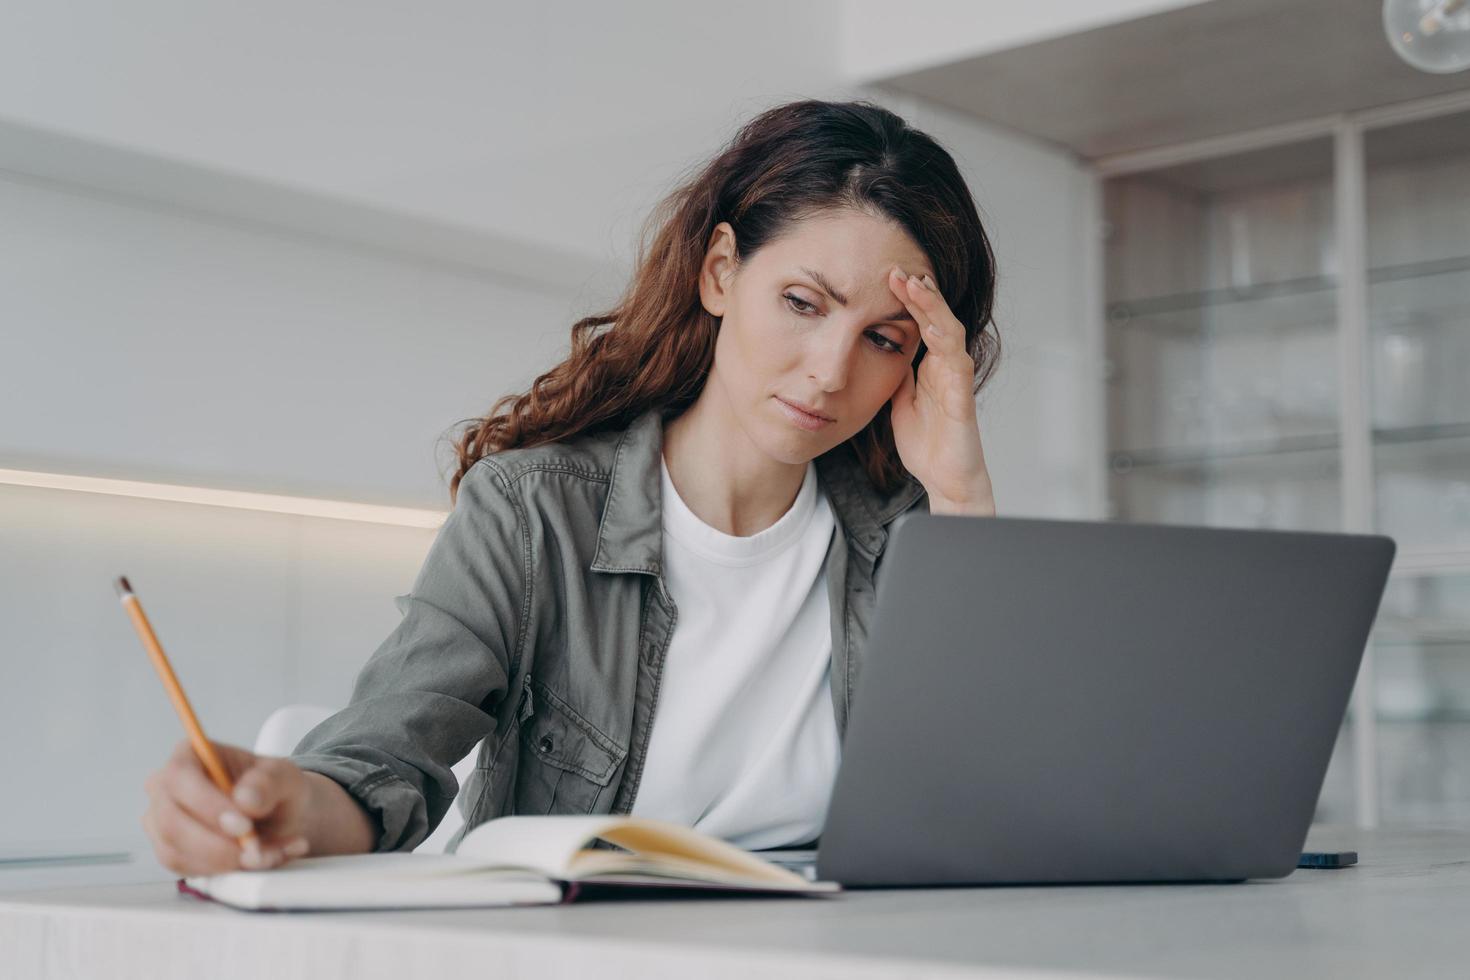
x,y
234,824
929,282
297,847
247,797
250,855
902,275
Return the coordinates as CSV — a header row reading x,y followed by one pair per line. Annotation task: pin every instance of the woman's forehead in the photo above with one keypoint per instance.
x,y
852,259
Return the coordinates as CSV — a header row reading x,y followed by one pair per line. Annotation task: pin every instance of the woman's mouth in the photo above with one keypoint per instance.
x,y
801,417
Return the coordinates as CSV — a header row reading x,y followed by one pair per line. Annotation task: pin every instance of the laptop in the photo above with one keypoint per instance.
x,y
1056,701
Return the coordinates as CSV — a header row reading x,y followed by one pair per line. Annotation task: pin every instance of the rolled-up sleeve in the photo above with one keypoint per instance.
x,y
430,691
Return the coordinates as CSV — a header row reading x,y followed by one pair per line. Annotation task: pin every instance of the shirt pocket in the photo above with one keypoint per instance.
x,y
566,764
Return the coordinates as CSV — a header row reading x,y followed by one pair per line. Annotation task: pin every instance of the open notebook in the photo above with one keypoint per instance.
x,y
510,861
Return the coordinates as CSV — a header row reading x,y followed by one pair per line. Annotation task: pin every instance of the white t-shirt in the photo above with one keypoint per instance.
x,y
744,744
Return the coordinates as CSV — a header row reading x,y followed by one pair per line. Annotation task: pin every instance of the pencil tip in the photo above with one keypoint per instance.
x,y
122,586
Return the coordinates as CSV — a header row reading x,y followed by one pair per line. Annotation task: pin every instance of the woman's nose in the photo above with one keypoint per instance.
x,y
829,362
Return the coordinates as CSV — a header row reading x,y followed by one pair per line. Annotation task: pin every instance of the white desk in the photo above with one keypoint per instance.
x,y
1403,911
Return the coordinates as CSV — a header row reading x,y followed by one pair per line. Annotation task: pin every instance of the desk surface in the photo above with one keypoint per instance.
x,y
1403,911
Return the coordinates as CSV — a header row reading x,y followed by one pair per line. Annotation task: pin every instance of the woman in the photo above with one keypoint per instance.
x,y
652,591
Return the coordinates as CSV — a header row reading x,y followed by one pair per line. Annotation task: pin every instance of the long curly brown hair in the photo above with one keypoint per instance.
x,y
785,165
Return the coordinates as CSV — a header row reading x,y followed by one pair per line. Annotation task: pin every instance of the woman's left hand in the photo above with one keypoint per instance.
x,y
934,421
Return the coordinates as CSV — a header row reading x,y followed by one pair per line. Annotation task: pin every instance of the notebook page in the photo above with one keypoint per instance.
x,y
682,844
547,844
387,880
553,845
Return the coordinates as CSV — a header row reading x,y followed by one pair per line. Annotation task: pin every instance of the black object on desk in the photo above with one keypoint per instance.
x,y
1328,859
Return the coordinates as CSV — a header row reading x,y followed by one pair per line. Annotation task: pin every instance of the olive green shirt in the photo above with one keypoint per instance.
x,y
538,626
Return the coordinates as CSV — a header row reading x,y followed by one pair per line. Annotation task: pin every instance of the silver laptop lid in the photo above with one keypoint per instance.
x,y
1049,701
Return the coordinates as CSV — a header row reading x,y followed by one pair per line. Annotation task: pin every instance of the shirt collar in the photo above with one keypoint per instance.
x,y
630,537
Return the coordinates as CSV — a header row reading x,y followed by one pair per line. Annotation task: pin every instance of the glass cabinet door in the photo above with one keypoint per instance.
x,y
1221,336
1222,339
1418,247
1417,185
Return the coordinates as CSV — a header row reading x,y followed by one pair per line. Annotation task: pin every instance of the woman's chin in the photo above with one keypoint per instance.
x,y
795,446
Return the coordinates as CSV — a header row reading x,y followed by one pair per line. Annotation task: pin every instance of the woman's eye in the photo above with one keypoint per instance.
x,y
793,300
885,343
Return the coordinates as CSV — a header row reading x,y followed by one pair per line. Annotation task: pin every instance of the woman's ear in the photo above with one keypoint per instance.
x,y
718,270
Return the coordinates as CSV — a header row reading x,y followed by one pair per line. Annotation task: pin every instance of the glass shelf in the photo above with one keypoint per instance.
x,y
1179,457
1148,310
1309,304
1431,633
1449,436
1419,270
1411,434
1142,310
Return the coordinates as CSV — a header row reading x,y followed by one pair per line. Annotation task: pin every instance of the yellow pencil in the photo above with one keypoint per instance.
x,y
202,747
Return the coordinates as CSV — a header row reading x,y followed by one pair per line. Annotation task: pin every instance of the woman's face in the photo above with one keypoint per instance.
x,y
809,322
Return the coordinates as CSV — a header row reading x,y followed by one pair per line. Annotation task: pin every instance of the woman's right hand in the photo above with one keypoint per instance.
x,y
194,826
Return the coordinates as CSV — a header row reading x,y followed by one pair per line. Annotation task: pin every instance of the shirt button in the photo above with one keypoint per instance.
x,y
546,744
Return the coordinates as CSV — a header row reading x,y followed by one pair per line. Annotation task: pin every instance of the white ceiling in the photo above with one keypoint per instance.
x,y
881,40
1182,74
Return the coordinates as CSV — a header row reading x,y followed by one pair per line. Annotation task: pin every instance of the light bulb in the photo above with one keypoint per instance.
x,y
1431,35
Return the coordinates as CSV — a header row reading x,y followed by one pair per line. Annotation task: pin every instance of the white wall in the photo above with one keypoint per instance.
x,y
549,122
173,346
254,610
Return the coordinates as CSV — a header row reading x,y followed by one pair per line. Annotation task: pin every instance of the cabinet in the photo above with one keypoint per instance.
x,y
1286,328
